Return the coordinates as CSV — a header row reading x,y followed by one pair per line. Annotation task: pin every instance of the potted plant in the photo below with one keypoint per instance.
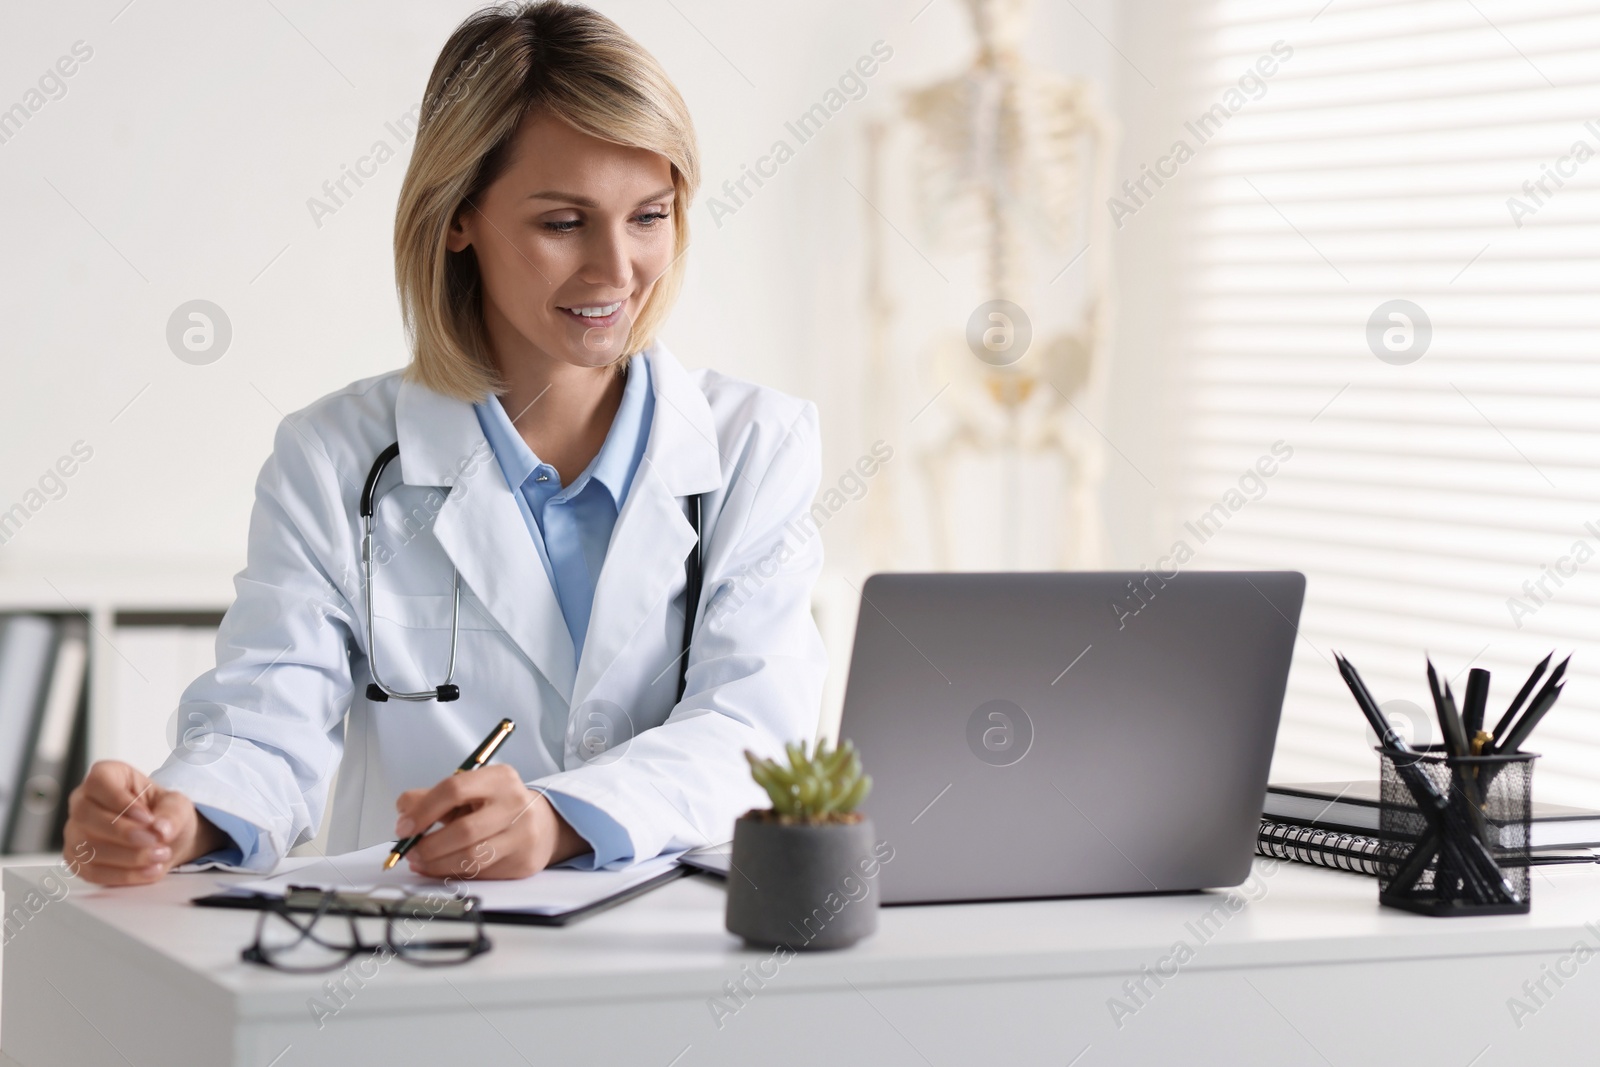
x,y
805,871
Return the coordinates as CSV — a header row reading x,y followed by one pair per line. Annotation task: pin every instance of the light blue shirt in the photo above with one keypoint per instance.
x,y
570,527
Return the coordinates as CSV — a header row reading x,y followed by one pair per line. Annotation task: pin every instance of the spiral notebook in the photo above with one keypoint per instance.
x,y
1361,853
1356,853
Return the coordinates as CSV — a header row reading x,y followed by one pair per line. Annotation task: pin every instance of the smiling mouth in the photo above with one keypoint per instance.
x,y
595,316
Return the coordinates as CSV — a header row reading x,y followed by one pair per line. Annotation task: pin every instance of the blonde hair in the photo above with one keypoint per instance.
x,y
501,63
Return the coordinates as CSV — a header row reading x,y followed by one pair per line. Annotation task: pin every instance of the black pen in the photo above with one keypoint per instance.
x,y
1473,707
481,755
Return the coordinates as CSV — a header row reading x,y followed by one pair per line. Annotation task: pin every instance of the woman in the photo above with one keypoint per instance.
x,y
550,455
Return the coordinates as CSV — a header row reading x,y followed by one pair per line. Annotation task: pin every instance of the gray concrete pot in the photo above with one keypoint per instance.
x,y
800,885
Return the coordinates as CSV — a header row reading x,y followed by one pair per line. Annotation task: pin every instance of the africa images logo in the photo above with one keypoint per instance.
x,y
999,733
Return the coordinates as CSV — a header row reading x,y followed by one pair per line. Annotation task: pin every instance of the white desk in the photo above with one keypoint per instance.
x,y
1313,972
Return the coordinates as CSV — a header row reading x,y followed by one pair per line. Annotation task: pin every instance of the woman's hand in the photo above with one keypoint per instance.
x,y
494,827
123,829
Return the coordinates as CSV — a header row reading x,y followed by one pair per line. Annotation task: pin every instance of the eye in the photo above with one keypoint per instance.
x,y
650,218
562,225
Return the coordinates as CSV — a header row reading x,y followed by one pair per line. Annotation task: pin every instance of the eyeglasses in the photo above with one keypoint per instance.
x,y
311,931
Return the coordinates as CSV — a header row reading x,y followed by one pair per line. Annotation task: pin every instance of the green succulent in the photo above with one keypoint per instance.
x,y
825,786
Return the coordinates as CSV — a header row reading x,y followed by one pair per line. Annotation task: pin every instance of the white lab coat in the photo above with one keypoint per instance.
x,y
286,706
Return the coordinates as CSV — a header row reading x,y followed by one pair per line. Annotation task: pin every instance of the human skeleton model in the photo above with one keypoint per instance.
x,y
1009,160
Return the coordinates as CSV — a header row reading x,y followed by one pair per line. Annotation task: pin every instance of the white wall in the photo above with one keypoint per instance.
x,y
1154,92
178,165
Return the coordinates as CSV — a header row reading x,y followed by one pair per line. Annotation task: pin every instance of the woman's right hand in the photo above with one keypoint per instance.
x,y
124,829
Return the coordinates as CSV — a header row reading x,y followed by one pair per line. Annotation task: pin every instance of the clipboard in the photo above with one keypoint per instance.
x,y
373,905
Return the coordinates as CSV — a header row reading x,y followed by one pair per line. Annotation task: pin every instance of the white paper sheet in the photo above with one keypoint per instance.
x,y
553,891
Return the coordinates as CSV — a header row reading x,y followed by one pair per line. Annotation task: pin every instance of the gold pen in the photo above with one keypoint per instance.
x,y
481,755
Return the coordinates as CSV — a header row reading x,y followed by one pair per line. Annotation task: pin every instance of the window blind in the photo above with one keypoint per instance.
x,y
1444,153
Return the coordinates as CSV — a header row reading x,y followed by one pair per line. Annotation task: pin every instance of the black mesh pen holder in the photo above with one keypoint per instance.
x,y
1455,832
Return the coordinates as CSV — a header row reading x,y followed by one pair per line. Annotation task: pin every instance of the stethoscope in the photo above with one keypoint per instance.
x,y
378,691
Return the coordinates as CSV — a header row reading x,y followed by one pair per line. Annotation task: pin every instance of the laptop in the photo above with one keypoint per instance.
x,y
1068,734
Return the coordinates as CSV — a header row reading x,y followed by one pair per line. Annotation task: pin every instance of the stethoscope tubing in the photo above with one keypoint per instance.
x,y
379,691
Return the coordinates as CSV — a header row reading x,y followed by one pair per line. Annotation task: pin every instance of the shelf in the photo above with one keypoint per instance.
x,y
115,585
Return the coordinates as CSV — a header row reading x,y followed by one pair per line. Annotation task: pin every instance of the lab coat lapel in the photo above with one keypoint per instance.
x,y
481,528
653,535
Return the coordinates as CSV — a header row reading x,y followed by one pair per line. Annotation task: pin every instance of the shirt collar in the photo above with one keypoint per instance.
x,y
624,445
618,459
516,459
